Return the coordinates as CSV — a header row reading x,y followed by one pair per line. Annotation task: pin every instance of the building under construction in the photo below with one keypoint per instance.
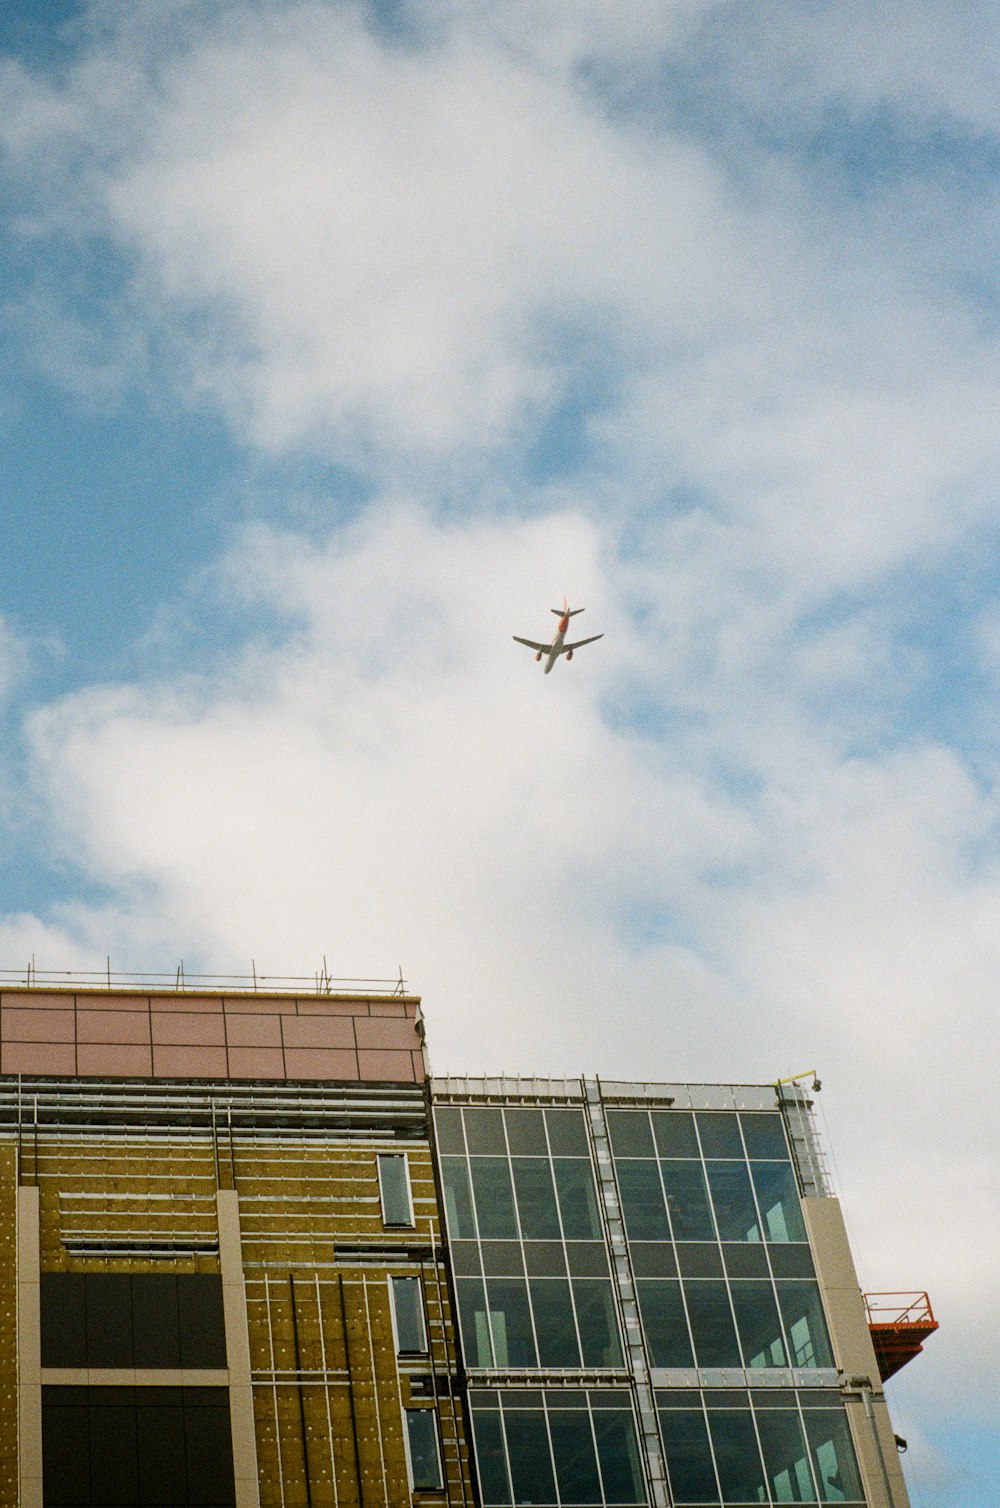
x,y
252,1254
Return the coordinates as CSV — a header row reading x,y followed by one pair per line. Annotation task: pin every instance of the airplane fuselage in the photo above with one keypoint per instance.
x,y
556,647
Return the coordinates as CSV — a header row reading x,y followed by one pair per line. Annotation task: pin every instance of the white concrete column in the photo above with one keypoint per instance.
x,y
237,1351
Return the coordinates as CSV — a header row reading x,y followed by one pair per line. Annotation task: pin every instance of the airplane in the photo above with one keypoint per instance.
x,y
558,646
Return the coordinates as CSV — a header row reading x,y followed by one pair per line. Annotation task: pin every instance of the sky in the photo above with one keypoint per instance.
x,y
340,342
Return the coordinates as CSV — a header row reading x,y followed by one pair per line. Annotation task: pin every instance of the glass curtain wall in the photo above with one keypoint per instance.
x,y
729,1446
723,1270
531,1268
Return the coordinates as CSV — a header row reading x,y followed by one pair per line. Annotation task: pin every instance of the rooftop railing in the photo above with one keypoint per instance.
x,y
322,982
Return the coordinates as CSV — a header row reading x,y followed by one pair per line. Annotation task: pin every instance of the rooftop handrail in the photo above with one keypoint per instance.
x,y
183,980
916,1310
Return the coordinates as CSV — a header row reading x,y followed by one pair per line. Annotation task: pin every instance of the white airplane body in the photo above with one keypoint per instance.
x,y
551,652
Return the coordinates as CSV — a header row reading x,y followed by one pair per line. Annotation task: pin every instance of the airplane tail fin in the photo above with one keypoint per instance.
x,y
565,612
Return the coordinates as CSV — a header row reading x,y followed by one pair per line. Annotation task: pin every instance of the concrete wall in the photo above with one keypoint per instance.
x,y
871,1430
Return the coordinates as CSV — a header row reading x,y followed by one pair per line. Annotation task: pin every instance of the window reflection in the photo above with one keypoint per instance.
x,y
833,1455
733,1201
536,1198
687,1198
494,1198
805,1326
595,1312
528,1456
741,1472
457,1198
618,1453
764,1136
554,1326
642,1200
577,1199
491,1458
575,1460
664,1323
758,1324
785,1456
510,1323
778,1196
689,1458
712,1324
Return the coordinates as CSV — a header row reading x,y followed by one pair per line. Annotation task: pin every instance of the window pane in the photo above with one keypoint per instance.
x,y
474,1322
805,1327
394,1183
758,1324
687,1198
577,1200
114,1464
595,1313
484,1130
530,1461
618,1453
494,1198
536,1198
510,1322
630,1133
408,1309
545,1259
554,1327
785,1456
457,1198
65,1449
674,1132
764,1136
448,1129
793,1259
208,1446
833,1456
689,1459
425,1457
712,1324
778,1197
576,1463
567,1133
64,1319
732,1200
156,1331
737,1456
642,1201
491,1457
664,1324
526,1130
720,1133
109,1319
202,1322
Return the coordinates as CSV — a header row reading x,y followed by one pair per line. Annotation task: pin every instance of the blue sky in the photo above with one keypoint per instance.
x,y
340,342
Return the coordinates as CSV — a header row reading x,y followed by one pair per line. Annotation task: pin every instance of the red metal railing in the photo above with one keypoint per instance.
x,y
899,1325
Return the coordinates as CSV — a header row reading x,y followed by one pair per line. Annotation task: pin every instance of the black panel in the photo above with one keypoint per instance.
x,y
156,1338
745,1259
544,1259
114,1467
791,1261
203,1333
587,1259
65,1450
699,1259
109,1319
64,1319
162,1457
209,1448
653,1259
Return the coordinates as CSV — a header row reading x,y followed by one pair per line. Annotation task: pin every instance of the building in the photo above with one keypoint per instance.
x,y
250,1254
656,1297
221,1266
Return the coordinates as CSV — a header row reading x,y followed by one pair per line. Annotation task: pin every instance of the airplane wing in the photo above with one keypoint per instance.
x,y
544,648
581,642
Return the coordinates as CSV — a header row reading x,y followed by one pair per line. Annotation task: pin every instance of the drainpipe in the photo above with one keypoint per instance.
x,y
863,1385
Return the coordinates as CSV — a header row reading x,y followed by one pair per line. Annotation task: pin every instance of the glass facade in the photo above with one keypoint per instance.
x,y
531,1267
707,1274
556,1446
714,1225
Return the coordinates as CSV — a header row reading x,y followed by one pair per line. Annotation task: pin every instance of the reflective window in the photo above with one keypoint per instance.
x,y
457,1198
833,1455
484,1130
805,1326
711,1324
573,1450
394,1186
687,1198
778,1197
674,1133
494,1197
733,1201
618,1453
785,1456
642,1200
764,1136
529,1457
664,1323
474,1321
491,1457
758,1325
408,1316
595,1312
425,1453
567,1133
741,1472
525,1130
536,1198
719,1133
448,1129
689,1456
510,1323
577,1199
554,1323
630,1133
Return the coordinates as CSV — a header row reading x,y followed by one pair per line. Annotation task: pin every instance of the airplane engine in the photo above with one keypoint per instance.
x,y
569,654
538,655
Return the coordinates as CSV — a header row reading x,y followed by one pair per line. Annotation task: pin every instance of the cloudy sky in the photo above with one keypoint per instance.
x,y
341,340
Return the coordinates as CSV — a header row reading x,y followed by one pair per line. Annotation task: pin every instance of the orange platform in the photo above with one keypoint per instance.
x,y
899,1325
